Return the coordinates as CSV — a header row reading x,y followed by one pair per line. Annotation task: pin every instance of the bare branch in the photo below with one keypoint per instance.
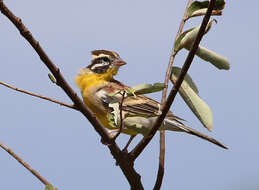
x,y
160,173
27,166
144,142
125,149
38,95
161,163
125,163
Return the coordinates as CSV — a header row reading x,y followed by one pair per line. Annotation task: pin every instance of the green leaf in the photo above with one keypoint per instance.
x,y
131,91
217,60
176,72
141,89
198,8
52,78
50,187
198,106
187,38
178,45
147,88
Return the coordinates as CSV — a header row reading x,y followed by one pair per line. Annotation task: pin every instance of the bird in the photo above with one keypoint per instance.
x,y
116,109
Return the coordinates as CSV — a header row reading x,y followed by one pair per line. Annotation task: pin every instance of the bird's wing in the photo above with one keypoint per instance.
x,y
143,107
139,105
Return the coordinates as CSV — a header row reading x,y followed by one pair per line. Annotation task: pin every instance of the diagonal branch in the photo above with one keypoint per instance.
x,y
160,173
125,163
27,166
144,142
38,96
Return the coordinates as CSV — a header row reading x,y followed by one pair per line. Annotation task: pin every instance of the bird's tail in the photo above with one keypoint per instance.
x,y
174,125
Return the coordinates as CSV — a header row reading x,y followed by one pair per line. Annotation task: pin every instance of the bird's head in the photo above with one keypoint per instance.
x,y
105,62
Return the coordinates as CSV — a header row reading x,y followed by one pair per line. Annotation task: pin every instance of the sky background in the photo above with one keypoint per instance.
x,y
61,144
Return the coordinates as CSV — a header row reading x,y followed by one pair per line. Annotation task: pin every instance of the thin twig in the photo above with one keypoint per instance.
x,y
144,142
27,166
160,173
121,119
161,163
128,143
38,95
125,163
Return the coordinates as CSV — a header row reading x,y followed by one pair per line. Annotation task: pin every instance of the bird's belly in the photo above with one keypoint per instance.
x,y
101,114
106,123
140,125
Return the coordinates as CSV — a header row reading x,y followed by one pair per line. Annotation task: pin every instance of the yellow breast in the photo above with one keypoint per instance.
x,y
89,83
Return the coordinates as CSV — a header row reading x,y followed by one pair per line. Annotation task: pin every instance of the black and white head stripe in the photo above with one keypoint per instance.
x,y
102,60
102,53
100,64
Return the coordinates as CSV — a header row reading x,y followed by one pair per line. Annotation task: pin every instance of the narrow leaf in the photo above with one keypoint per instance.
x,y
198,106
147,88
178,45
187,38
176,72
52,78
217,60
50,187
198,8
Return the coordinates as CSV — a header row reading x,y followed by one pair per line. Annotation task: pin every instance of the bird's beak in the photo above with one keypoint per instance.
x,y
119,63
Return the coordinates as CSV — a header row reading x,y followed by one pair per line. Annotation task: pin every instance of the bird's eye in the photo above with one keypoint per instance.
x,y
106,59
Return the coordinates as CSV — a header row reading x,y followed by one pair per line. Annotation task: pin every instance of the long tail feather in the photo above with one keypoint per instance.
x,y
174,125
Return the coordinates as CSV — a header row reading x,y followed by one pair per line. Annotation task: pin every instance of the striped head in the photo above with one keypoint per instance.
x,y
104,61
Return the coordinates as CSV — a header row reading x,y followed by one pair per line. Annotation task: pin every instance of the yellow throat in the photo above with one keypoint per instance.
x,y
86,78
89,82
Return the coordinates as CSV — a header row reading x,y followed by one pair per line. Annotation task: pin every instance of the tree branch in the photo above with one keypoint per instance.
x,y
125,163
27,166
38,95
144,142
160,172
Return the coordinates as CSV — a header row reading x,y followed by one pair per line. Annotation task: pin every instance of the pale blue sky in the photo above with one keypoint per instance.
x,y
61,144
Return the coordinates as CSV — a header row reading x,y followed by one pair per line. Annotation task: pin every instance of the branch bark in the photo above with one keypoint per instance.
x,y
124,162
38,95
160,172
144,142
27,166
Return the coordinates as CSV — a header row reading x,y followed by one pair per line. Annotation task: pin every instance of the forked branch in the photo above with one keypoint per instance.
x,y
125,164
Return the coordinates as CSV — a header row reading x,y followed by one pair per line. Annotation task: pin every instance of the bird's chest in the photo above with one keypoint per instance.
x,y
93,97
